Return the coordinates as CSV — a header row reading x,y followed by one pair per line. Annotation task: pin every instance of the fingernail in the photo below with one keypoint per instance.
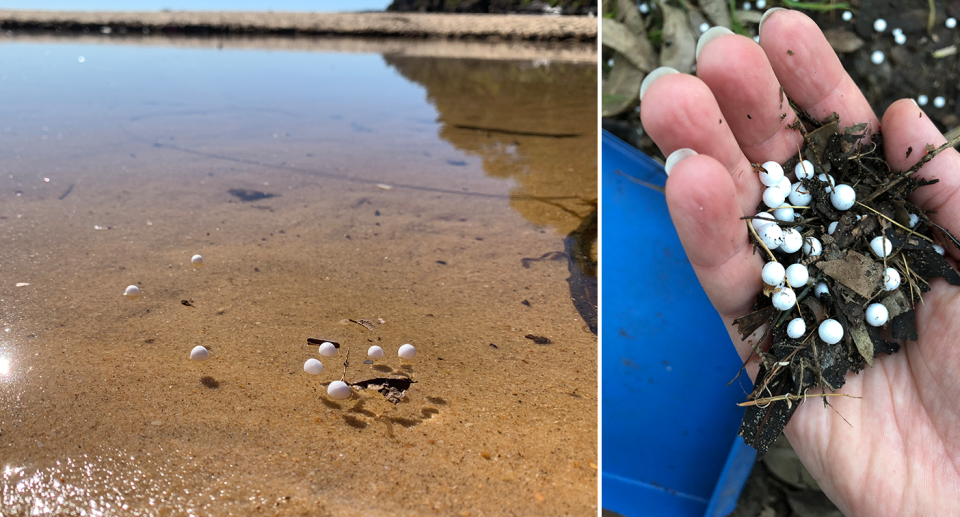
x,y
914,101
653,76
767,15
675,158
708,36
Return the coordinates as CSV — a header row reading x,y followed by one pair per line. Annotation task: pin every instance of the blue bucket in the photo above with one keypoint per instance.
x,y
670,444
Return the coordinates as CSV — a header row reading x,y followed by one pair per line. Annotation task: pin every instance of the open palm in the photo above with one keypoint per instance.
x,y
900,452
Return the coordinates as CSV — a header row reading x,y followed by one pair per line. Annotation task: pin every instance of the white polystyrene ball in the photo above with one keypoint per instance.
x,y
327,350
832,227
773,197
375,352
796,328
797,275
922,100
951,23
812,247
914,219
771,174
880,25
763,218
197,261
792,241
407,352
843,197
899,39
771,235
826,178
877,57
804,170
847,16
772,273
939,249
891,279
784,185
820,289
939,101
881,246
132,292
831,331
876,314
313,366
784,299
199,353
338,390
784,213
799,195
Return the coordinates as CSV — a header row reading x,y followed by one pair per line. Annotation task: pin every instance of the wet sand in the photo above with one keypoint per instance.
x,y
103,413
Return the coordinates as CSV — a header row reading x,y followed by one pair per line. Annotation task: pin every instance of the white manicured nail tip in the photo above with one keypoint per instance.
x,y
653,76
676,157
709,35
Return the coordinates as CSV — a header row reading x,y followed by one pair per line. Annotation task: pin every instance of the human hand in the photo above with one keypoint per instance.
x,y
900,452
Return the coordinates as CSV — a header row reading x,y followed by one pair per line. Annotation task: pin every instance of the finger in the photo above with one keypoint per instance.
x,y
678,111
748,92
810,71
905,126
701,198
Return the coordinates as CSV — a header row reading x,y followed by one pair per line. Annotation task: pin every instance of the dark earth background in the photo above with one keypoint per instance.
x,y
636,42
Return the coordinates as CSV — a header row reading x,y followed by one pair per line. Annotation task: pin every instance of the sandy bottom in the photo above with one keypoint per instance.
x,y
102,412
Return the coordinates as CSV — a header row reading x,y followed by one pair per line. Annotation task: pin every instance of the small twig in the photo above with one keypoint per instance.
x,y
754,232
346,363
791,397
913,170
908,230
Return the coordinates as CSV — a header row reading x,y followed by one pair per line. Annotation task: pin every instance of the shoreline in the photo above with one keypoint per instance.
x,y
485,27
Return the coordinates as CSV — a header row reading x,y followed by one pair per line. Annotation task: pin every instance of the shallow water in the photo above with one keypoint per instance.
x,y
386,201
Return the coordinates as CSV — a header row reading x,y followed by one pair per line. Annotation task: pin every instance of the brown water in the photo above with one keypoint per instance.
x,y
387,203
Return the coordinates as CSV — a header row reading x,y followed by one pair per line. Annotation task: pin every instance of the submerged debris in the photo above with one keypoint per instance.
x,y
868,261
392,388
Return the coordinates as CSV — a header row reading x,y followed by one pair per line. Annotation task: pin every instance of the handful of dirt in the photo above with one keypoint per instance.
x,y
863,265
